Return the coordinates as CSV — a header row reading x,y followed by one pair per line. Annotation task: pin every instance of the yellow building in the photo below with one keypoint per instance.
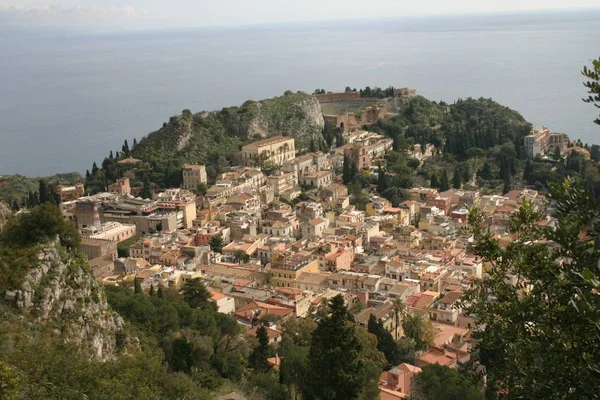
x,y
193,175
287,266
276,150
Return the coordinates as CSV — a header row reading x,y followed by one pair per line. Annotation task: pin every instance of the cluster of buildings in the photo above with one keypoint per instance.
x,y
541,142
281,258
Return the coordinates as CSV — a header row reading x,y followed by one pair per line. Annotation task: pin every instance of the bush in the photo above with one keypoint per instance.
x,y
41,224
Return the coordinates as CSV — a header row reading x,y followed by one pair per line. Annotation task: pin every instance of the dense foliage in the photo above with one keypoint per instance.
x,y
38,225
541,333
211,138
191,339
438,382
18,191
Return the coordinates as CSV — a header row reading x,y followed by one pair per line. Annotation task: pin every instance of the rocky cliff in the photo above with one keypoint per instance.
x,y
60,294
4,213
203,136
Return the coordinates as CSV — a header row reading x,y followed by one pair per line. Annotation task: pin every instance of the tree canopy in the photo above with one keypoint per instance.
x,y
538,304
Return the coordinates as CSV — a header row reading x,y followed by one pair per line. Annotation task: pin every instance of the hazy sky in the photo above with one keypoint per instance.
x,y
182,13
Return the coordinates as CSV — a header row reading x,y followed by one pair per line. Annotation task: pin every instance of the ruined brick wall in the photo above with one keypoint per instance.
x,y
337,97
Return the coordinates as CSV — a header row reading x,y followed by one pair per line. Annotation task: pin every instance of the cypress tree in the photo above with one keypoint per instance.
x,y
456,180
151,292
258,359
444,183
159,292
44,192
506,187
347,171
353,169
94,168
111,155
382,181
137,286
434,182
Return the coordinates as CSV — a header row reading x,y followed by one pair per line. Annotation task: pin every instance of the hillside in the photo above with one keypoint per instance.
x,y
204,136
17,187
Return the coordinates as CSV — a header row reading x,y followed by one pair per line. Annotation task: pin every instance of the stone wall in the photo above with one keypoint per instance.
x,y
337,97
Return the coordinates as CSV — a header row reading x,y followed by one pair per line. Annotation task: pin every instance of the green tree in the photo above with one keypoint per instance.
x,y
347,170
444,183
202,188
258,359
44,191
294,369
146,192
336,372
456,179
540,335
241,256
39,225
593,84
434,181
485,172
216,243
353,169
196,294
418,329
438,382
382,180
385,341
137,285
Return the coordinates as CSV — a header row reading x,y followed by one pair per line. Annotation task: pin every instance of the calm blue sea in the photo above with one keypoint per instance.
x,y
67,98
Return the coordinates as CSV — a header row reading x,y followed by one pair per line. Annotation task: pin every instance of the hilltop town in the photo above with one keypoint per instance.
x,y
366,205
276,237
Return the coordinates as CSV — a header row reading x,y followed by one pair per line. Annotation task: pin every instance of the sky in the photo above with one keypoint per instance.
x,y
160,14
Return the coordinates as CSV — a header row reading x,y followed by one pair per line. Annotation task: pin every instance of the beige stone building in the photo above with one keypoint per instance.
x,y
193,175
277,150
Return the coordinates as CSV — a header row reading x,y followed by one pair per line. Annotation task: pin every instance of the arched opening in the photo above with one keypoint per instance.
x,y
342,126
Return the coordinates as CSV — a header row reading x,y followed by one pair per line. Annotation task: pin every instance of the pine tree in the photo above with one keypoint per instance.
x,y
456,180
336,371
195,293
444,183
347,171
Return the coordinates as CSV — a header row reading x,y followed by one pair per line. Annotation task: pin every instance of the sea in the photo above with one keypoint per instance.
x,y
68,97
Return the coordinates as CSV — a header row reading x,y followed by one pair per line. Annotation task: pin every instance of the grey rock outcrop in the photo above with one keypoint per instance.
x,y
4,213
60,293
